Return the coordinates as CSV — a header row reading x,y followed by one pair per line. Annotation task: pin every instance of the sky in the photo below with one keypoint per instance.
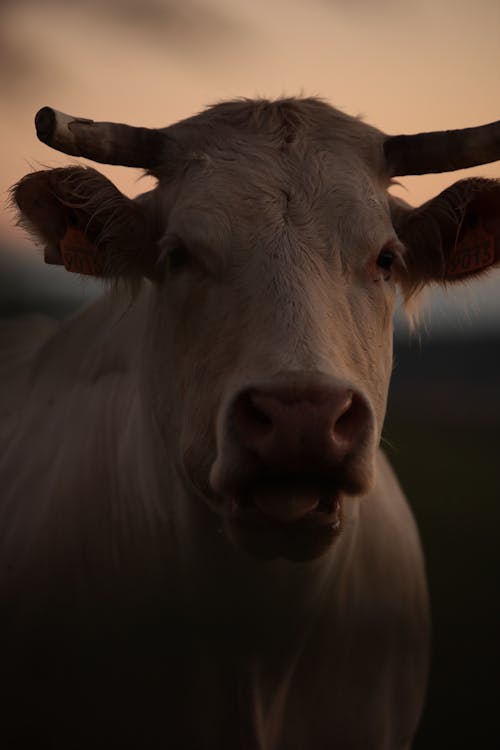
x,y
404,67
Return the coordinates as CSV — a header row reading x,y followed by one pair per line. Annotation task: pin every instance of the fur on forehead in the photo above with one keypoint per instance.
x,y
294,162
280,126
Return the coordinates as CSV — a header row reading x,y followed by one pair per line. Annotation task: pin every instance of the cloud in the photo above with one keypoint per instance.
x,y
174,22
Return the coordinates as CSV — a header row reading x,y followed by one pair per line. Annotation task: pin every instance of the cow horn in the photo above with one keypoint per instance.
x,y
105,142
444,151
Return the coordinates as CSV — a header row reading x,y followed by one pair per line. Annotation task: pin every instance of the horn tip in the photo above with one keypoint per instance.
x,y
45,124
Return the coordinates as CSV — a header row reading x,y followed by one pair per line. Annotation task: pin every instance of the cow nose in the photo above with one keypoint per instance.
x,y
300,428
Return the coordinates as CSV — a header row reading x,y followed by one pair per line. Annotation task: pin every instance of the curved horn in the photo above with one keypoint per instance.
x,y
105,142
445,151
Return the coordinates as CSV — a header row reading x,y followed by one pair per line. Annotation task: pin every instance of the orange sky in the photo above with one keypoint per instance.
x,y
405,67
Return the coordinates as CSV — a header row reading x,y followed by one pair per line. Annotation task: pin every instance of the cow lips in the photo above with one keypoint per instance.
x,y
285,505
295,521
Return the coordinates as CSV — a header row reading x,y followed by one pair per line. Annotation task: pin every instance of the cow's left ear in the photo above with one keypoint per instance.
x,y
451,237
86,223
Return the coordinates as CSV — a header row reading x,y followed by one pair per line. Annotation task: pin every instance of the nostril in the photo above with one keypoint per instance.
x,y
250,418
258,414
350,427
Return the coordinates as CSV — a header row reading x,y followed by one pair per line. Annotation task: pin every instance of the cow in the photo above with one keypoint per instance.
x,y
201,544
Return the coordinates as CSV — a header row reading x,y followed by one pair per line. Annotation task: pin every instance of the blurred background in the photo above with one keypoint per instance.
x,y
405,67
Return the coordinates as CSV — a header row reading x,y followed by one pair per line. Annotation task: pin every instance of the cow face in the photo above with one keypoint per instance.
x,y
287,307
275,254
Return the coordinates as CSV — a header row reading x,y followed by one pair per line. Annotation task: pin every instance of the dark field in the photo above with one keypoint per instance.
x,y
445,438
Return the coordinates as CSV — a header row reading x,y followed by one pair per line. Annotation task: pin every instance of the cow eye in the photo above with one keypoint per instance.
x,y
385,259
177,258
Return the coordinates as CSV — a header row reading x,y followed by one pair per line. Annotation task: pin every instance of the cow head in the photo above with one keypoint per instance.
x,y
275,253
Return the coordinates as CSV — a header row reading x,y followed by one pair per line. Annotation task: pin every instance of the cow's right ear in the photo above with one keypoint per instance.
x,y
86,223
452,237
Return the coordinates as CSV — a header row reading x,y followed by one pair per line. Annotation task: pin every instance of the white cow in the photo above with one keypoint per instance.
x,y
201,545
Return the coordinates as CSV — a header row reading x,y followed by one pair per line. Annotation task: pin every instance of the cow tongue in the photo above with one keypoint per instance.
x,y
288,504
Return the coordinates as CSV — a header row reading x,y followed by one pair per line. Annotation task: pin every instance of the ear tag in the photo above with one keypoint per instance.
x,y
79,255
476,250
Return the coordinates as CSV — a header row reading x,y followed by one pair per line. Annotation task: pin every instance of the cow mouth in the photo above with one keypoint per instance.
x,y
296,518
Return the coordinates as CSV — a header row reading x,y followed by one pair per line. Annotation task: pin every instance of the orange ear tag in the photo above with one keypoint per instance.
x,y
475,251
79,254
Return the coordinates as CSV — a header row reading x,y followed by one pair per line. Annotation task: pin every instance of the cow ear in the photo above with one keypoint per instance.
x,y
86,223
452,237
